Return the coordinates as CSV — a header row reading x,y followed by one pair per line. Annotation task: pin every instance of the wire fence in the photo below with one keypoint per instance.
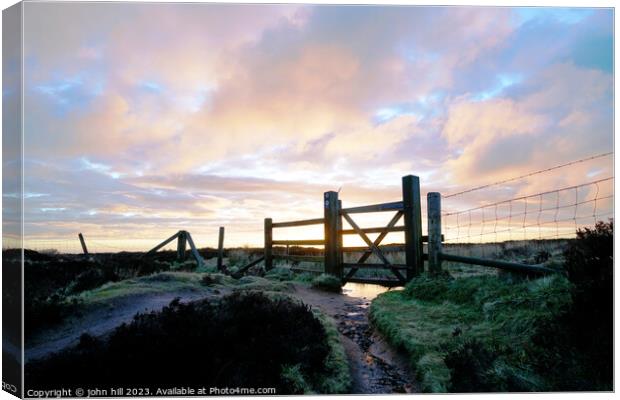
x,y
543,220
551,214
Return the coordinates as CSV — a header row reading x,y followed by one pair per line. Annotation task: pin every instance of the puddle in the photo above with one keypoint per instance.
x,y
365,290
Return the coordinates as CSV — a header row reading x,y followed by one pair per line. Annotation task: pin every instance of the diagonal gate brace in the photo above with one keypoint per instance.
x,y
373,245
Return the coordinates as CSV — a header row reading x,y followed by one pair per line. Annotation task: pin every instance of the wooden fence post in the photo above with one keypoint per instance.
x,y
412,213
340,240
268,244
84,249
220,249
332,215
194,250
181,245
434,232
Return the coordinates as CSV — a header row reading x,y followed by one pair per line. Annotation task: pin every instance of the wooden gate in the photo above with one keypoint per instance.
x,y
409,209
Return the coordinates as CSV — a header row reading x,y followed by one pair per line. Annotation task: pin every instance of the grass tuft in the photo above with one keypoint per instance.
x,y
328,283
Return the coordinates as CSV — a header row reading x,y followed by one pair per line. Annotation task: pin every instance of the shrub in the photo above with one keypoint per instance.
x,y
589,263
41,312
328,283
91,279
245,340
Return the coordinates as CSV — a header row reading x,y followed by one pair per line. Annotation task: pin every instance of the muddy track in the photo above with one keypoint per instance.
x,y
375,366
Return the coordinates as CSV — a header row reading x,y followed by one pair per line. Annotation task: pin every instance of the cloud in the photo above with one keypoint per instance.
x,y
162,114
561,110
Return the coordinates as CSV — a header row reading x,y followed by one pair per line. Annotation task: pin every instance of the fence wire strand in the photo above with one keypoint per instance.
x,y
542,171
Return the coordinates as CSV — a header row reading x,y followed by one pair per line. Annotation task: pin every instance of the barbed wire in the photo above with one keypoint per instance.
x,y
516,178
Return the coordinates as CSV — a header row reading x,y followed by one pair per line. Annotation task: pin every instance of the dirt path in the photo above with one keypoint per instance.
x,y
375,366
102,319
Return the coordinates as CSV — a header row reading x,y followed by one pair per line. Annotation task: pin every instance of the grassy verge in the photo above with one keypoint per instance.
x,y
162,282
477,333
337,380
169,282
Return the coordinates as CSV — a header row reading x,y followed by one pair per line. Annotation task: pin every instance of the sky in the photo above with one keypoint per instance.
x,y
143,119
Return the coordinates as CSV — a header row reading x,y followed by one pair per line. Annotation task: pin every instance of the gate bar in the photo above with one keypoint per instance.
x,y
373,230
394,206
304,222
308,242
375,266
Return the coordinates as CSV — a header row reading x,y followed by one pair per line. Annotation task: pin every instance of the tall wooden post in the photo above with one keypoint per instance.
x,y
412,213
268,244
332,215
434,231
340,239
84,249
181,245
220,249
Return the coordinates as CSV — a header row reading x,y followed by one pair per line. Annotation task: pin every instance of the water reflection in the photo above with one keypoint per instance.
x,y
365,290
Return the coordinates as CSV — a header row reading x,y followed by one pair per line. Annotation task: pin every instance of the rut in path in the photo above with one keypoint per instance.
x,y
375,367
